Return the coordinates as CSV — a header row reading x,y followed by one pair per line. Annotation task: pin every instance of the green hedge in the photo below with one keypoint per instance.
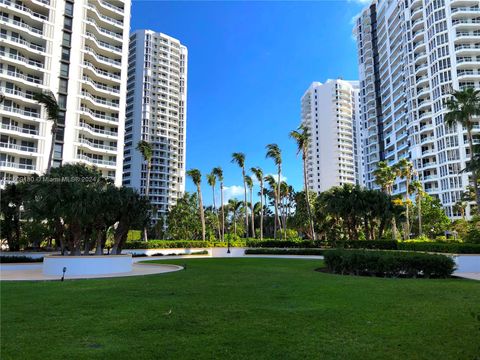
x,y
180,244
255,243
441,247
388,263
275,251
369,244
19,259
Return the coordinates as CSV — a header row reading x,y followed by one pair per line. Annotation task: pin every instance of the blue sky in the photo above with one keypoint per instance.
x,y
249,65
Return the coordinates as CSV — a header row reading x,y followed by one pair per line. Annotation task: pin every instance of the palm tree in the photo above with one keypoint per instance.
x,y
302,138
273,186
258,172
463,106
218,172
146,149
385,177
404,169
239,159
274,152
420,193
234,206
196,177
212,181
48,100
249,182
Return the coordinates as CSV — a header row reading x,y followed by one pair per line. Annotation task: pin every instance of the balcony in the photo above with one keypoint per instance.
x,y
98,132
100,162
103,44
29,149
23,25
102,58
18,129
100,86
100,72
103,30
98,116
22,59
103,17
24,9
14,165
20,41
27,78
96,146
100,101
30,114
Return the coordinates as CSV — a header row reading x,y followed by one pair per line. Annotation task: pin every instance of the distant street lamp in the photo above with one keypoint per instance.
x,y
228,245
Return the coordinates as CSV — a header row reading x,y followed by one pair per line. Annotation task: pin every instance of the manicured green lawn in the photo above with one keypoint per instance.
x,y
241,309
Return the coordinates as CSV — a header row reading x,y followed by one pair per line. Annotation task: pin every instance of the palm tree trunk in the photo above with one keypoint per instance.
x,y
261,210
216,213
246,206
200,208
278,196
147,193
223,213
474,173
419,210
252,214
407,215
307,197
50,155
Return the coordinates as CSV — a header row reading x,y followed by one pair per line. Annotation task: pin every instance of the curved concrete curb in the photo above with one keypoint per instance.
x,y
35,273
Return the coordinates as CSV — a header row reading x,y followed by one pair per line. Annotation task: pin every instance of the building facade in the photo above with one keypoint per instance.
x,y
78,51
156,113
330,112
412,54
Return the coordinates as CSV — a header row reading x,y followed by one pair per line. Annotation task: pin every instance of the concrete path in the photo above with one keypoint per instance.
x,y
34,272
471,276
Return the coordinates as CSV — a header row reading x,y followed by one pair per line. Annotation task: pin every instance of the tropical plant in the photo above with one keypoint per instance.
x,y
270,180
404,170
196,177
463,107
302,139
11,203
146,149
219,175
249,182
258,172
417,187
48,100
385,177
234,207
274,152
239,159
212,181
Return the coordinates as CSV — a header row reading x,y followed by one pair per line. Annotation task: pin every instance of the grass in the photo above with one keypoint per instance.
x,y
241,309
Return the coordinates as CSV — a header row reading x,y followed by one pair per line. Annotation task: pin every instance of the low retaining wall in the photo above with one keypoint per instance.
x,y
87,265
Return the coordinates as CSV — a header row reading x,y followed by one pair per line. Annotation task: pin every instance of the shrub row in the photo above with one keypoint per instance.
x,y
440,247
179,244
19,259
276,251
202,252
388,263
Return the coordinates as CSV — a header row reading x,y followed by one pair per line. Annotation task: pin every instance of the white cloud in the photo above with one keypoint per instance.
x,y
234,191
275,176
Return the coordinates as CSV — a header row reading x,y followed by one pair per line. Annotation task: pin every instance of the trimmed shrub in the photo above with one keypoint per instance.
x,y
388,263
441,247
273,251
19,259
369,244
254,243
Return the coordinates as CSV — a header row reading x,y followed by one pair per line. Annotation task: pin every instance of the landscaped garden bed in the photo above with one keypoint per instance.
x,y
388,263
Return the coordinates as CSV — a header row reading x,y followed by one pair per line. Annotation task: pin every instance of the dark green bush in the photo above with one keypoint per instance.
x,y
440,247
19,259
275,251
369,244
388,263
255,243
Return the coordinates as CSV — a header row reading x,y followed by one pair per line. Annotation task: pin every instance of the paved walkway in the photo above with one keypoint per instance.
x,y
471,276
34,272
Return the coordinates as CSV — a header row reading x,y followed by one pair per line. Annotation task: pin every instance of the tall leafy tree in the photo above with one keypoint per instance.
x,y
417,188
274,153
234,207
258,172
239,159
404,170
270,180
302,139
196,177
385,177
212,181
146,149
462,108
249,182
182,218
219,175
48,100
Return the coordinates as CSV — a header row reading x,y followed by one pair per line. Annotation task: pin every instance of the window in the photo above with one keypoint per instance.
x,y
67,23
69,8
67,39
57,151
66,54
64,68
63,86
